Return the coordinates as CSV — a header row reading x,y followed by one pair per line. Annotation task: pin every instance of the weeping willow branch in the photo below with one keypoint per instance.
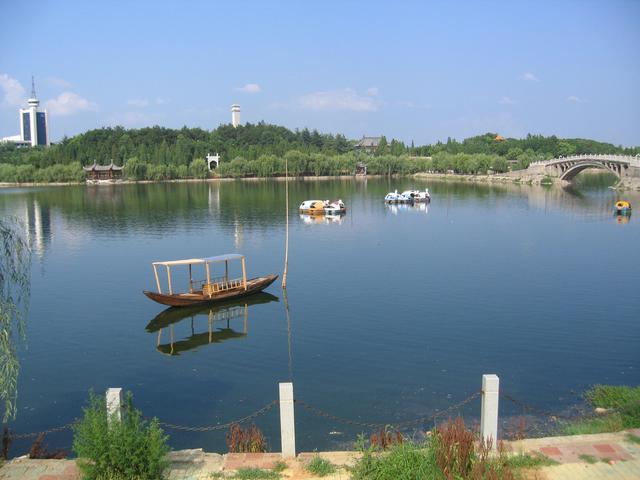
x,y
15,286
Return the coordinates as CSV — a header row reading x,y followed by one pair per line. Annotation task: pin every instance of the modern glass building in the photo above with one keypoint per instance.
x,y
34,124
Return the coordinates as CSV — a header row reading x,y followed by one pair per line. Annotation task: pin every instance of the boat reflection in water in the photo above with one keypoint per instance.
x,y
321,219
418,207
218,313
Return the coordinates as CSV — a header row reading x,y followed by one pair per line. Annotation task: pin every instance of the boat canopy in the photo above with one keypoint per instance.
x,y
207,285
199,261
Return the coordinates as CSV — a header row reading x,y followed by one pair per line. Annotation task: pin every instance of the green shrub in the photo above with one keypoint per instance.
x,y
132,448
607,423
198,168
610,396
321,467
405,460
255,474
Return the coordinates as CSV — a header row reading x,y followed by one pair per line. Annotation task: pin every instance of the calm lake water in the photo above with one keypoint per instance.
x,y
395,312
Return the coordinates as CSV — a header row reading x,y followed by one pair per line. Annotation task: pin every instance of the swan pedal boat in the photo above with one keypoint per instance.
x,y
408,196
209,290
323,207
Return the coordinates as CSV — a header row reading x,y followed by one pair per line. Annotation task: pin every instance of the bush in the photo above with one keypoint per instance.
x,y
405,460
245,440
321,467
199,168
132,448
452,452
610,396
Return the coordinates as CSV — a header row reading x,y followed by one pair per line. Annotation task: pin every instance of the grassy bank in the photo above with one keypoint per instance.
x,y
618,408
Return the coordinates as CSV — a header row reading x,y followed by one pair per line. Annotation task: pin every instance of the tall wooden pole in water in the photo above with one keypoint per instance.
x,y
286,224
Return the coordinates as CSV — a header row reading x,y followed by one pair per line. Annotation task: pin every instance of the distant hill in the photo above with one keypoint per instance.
x,y
535,145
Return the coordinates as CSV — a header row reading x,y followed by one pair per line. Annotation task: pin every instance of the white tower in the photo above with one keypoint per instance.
x,y
34,124
235,115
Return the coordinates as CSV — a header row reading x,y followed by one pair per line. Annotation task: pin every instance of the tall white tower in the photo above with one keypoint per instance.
x,y
235,115
34,124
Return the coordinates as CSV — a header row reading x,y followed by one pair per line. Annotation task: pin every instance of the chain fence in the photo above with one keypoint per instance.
x,y
536,422
21,436
223,426
527,409
418,421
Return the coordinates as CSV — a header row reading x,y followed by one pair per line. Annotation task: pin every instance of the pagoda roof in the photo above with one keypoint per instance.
x,y
102,168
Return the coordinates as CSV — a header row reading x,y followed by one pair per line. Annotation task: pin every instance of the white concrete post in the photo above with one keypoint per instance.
x,y
287,421
489,414
114,404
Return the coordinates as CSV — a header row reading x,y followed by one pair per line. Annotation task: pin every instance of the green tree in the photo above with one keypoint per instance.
x,y
565,149
15,285
135,169
198,168
382,146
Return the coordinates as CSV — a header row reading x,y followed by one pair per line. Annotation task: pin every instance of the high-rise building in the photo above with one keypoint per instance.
x,y
34,124
235,115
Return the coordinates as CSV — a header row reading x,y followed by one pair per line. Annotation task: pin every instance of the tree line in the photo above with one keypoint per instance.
x,y
158,153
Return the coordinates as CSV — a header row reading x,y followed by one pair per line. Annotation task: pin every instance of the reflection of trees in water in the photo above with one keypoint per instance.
x,y
15,283
256,205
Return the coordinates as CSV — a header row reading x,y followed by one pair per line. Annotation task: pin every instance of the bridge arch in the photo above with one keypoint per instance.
x,y
575,169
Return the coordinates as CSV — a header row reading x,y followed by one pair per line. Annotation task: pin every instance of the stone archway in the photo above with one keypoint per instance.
x,y
573,170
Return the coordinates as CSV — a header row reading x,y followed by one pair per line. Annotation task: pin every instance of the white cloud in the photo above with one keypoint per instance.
x,y
138,102
529,77
68,103
507,101
145,102
346,99
249,88
410,104
574,99
13,91
372,91
58,82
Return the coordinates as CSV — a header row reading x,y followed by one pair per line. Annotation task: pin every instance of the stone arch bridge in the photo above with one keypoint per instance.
x,y
566,168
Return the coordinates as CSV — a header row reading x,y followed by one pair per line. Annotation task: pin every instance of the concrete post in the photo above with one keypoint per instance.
x,y
489,413
114,404
287,421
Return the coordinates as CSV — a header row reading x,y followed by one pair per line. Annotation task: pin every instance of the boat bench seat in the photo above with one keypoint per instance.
x,y
211,289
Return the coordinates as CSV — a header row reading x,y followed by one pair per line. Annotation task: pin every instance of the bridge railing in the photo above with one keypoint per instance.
x,y
590,156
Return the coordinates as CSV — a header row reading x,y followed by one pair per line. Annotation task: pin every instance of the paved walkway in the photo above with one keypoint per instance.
x,y
589,457
599,456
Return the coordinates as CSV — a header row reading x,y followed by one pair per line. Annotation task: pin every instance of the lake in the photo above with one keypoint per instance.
x,y
395,312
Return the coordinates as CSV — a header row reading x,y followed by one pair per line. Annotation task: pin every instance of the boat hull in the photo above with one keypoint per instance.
x,y
254,285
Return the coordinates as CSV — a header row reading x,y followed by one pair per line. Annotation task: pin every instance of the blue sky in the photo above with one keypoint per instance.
x,y
418,71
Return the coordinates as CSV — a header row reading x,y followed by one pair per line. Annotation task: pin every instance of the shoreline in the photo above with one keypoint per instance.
x,y
502,178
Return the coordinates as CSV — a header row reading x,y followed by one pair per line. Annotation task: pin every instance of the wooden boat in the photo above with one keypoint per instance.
x,y
210,289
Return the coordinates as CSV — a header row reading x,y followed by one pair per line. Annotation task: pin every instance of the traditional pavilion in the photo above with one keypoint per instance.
x,y
361,169
103,172
368,144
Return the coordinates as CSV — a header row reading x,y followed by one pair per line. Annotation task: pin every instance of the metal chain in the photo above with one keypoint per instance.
x,y
209,428
527,407
270,405
19,436
321,413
